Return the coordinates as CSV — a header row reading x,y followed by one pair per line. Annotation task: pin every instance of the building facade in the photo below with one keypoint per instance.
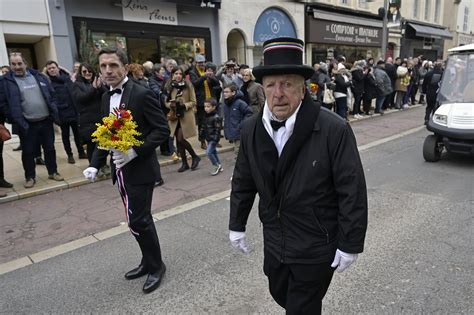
x,y
423,29
460,24
245,24
333,31
145,29
354,28
25,28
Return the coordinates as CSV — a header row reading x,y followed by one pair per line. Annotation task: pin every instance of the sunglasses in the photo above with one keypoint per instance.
x,y
85,71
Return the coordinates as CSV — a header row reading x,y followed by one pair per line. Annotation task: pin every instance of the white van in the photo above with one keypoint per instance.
x,y
453,120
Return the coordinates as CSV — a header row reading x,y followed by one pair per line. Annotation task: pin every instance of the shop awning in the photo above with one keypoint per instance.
x,y
429,31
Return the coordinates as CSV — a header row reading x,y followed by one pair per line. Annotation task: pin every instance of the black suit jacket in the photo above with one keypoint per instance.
x,y
152,125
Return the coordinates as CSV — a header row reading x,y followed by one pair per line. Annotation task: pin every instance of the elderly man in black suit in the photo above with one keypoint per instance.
x,y
139,166
303,161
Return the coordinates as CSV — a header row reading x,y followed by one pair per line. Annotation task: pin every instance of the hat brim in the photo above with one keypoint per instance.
x,y
260,71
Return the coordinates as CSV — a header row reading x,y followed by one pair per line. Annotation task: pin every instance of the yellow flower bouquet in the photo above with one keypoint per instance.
x,y
118,131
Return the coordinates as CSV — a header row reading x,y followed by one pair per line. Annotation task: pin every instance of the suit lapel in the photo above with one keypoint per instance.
x,y
266,154
105,104
127,92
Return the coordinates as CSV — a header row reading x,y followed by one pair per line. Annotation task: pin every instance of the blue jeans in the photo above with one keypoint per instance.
x,y
212,153
39,133
341,106
378,103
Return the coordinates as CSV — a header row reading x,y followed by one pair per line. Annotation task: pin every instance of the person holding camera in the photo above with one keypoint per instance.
x,y
182,104
228,74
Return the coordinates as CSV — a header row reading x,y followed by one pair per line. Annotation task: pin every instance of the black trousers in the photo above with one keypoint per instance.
x,y
65,137
298,288
2,174
142,226
430,105
200,121
38,133
90,147
414,90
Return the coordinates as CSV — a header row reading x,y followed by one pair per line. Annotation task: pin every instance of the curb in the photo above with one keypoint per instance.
x,y
386,112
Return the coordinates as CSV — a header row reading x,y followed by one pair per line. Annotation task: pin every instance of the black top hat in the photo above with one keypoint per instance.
x,y
283,55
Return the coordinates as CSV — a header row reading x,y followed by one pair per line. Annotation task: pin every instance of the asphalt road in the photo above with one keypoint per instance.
x,y
418,255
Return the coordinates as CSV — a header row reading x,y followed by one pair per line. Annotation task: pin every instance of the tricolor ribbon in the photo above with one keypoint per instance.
x,y
123,194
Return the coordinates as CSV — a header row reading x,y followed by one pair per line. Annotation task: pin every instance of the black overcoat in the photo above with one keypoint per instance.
x,y
313,199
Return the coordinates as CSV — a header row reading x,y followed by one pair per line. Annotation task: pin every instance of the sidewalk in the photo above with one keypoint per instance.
x,y
72,173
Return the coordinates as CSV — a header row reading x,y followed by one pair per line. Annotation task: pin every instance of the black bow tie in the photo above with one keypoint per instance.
x,y
118,91
277,124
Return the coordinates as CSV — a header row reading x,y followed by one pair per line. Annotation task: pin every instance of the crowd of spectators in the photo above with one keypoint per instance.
x,y
393,84
34,100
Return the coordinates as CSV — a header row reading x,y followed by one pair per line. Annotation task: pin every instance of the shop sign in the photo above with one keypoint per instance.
x,y
331,32
273,23
149,11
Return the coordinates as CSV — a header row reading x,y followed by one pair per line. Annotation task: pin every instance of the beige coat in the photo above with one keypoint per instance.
x,y
187,122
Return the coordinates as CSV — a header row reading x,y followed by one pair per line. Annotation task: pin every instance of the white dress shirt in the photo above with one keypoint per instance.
x,y
281,136
115,99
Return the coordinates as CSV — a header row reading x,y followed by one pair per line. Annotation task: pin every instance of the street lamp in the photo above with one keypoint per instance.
x,y
383,12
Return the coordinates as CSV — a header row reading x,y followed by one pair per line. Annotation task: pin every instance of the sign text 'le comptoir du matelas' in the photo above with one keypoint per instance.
x,y
342,33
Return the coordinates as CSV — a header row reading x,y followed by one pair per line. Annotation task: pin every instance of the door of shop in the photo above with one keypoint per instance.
x,y
26,50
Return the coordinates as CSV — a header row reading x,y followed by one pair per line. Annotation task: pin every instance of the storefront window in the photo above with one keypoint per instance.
x,y
142,49
181,48
152,44
109,40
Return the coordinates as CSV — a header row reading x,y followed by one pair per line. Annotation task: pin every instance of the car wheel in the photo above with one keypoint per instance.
x,y
431,149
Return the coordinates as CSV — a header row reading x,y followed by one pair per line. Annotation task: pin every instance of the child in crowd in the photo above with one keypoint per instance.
x,y
212,131
235,112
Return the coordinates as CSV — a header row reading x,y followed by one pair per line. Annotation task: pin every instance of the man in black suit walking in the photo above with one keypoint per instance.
x,y
302,160
134,171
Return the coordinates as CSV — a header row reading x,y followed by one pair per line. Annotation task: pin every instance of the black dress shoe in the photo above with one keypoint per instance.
x,y
154,279
159,182
5,184
183,168
195,162
39,161
138,272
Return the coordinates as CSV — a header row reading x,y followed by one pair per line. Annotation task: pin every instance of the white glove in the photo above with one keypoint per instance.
x,y
237,240
90,173
121,159
343,260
